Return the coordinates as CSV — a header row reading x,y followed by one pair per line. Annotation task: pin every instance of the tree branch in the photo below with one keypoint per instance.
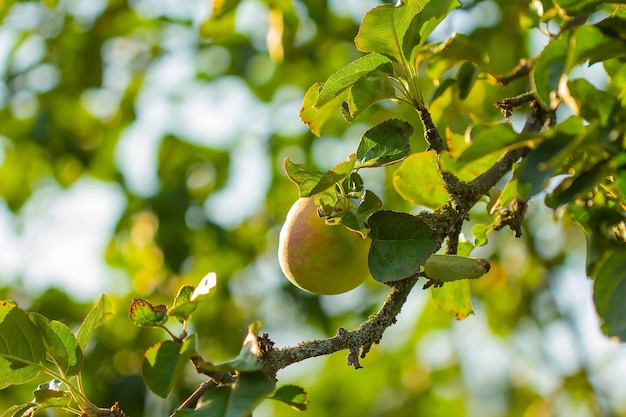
x,y
535,120
446,221
518,72
367,334
431,134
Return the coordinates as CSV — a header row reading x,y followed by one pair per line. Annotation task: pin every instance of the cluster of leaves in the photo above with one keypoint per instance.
x,y
240,384
33,345
587,147
392,38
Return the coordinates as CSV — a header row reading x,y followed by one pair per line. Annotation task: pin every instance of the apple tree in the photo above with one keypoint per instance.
x,y
479,146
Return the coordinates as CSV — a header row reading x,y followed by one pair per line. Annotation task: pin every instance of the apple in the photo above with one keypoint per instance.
x,y
319,258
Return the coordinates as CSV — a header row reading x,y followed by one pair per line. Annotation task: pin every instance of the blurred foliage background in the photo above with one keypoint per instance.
x,y
173,130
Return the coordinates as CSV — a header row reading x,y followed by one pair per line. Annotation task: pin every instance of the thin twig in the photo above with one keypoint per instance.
x,y
430,130
534,122
192,400
508,104
520,71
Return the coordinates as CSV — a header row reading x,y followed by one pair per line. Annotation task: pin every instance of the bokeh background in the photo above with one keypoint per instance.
x,y
141,147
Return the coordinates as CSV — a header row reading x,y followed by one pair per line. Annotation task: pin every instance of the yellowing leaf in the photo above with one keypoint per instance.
x,y
418,181
454,297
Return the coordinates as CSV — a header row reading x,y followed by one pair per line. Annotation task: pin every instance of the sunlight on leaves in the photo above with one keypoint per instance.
x,y
453,297
206,284
384,144
313,181
22,348
96,317
350,74
143,313
418,181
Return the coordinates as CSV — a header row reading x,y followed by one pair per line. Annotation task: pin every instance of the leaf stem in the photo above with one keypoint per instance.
x,y
192,400
76,392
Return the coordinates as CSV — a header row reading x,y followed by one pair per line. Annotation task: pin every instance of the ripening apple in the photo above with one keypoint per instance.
x,y
319,258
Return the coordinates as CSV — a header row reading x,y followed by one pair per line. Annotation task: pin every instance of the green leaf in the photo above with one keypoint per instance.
x,y
588,43
250,389
447,268
357,218
539,167
460,48
94,319
424,23
292,395
143,313
401,243
614,26
465,78
384,144
364,93
315,117
609,292
480,232
212,404
442,88
22,349
578,185
589,102
576,7
60,343
164,363
546,72
186,300
496,138
585,43
248,358
508,194
183,307
396,30
418,181
383,30
454,297
595,221
313,181
348,75
457,49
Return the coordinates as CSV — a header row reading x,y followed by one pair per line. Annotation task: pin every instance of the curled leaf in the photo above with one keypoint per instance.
x,y
446,268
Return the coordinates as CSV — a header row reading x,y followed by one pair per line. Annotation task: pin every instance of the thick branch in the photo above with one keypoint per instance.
x,y
370,332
